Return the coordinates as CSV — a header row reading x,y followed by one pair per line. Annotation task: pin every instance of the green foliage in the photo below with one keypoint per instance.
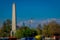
x,y
5,31
19,34
24,32
48,30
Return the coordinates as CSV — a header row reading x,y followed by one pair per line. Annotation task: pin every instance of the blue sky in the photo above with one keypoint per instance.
x,y
26,9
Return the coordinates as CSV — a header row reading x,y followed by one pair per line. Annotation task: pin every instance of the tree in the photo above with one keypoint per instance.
x,y
39,29
6,28
25,32
46,31
51,28
33,32
19,33
54,27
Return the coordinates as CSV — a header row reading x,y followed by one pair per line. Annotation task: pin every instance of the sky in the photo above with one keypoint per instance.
x,y
26,9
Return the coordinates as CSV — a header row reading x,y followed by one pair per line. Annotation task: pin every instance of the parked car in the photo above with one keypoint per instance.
x,y
4,38
28,38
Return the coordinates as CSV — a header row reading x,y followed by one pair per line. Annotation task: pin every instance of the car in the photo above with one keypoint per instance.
x,y
5,38
28,38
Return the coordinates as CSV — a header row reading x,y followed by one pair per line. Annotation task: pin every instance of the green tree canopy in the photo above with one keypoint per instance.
x,y
25,32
